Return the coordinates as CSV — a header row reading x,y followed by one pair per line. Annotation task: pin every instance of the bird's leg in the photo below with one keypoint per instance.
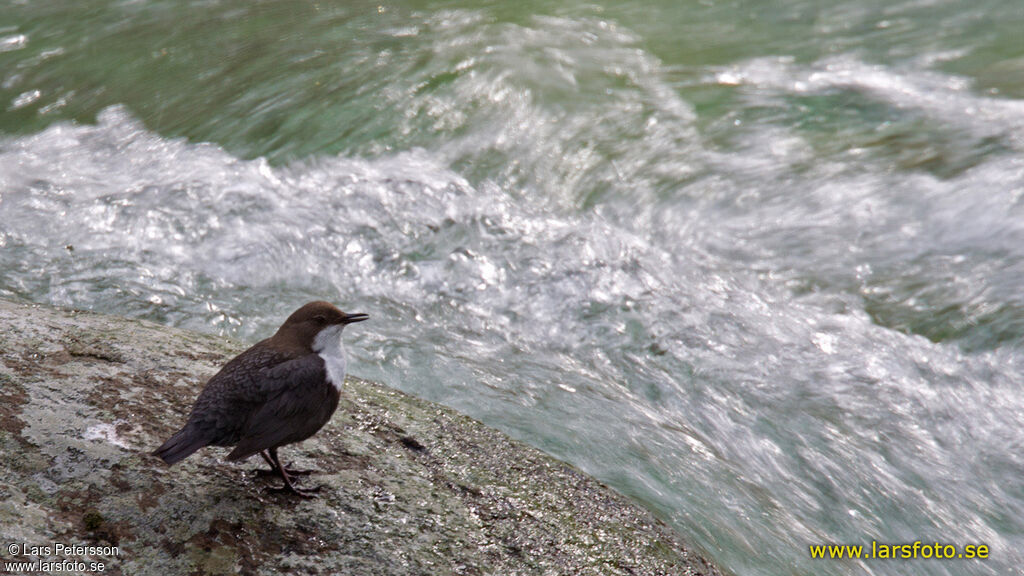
x,y
289,487
286,475
290,471
275,465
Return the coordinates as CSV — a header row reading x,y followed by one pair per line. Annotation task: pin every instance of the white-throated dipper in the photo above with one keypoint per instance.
x,y
280,391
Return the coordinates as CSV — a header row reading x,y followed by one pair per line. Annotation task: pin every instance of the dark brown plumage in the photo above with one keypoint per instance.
x,y
280,391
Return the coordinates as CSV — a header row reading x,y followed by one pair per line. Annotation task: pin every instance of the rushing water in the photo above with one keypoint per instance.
x,y
756,264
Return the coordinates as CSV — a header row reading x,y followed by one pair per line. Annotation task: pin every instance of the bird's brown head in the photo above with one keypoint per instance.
x,y
303,326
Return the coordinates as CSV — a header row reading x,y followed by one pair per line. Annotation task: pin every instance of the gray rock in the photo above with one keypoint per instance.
x,y
410,487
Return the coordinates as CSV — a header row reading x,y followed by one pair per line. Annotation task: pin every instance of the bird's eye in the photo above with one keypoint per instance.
x,y
319,319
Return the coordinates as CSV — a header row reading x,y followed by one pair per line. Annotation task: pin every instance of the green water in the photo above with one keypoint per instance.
x,y
755,264
287,80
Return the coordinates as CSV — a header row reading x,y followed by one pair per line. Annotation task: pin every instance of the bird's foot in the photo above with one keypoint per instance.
x,y
290,488
276,468
286,474
263,472
297,471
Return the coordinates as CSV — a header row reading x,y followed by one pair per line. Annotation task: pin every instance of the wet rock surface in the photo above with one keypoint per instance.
x,y
408,487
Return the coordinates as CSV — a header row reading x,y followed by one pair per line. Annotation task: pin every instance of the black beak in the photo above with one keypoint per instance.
x,y
350,318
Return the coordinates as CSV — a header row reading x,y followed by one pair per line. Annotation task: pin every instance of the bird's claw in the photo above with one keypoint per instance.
x,y
291,489
263,472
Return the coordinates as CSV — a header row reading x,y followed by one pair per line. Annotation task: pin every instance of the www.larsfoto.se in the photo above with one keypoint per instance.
x,y
881,551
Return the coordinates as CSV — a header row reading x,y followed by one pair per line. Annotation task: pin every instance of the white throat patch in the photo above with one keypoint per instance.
x,y
329,346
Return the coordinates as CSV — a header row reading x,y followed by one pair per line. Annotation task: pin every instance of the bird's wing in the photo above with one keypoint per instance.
x,y
302,372
231,395
297,404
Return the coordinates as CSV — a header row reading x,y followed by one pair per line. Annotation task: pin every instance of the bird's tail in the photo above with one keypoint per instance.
x,y
181,445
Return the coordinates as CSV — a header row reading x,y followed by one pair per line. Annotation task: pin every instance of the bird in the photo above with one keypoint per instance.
x,y
280,391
